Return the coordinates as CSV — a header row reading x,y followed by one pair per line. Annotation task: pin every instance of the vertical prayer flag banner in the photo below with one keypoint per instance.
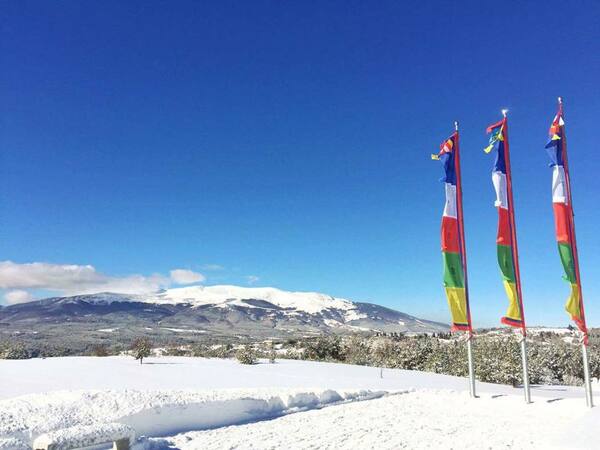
x,y
563,217
453,250
506,237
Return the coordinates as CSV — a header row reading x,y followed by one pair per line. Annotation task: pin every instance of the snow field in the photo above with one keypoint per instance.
x,y
183,373
189,403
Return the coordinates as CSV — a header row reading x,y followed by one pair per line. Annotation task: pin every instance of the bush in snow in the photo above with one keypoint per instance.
x,y
448,358
214,351
498,360
200,351
594,358
324,348
141,348
246,355
15,350
356,350
100,350
497,357
175,350
381,348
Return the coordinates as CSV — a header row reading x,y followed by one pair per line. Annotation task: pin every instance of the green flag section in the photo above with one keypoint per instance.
x,y
454,276
505,262
566,257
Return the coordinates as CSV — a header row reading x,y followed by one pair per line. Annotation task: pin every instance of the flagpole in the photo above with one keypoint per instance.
x,y
586,366
515,254
464,263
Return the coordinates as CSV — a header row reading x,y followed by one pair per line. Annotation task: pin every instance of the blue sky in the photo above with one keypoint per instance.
x,y
290,142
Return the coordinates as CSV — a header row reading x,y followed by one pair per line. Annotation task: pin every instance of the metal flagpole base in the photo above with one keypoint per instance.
x,y
586,370
471,367
525,370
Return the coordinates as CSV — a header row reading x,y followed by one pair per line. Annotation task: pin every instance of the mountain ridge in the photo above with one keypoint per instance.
x,y
221,311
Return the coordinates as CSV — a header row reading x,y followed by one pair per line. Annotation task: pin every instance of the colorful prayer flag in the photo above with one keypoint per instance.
x,y
453,249
506,237
563,217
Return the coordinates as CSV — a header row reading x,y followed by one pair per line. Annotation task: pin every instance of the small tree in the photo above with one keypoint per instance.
x,y
141,348
272,354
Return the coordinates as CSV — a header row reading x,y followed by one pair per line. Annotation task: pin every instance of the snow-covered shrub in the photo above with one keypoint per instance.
x,y
15,350
498,360
356,351
246,355
448,358
200,351
100,350
382,350
594,358
412,354
177,350
325,348
570,380
213,351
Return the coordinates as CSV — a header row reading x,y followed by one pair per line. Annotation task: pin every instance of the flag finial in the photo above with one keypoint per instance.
x,y
456,125
504,112
560,100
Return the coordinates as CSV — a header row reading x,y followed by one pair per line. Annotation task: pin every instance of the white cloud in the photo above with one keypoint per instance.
x,y
184,276
72,279
17,296
251,279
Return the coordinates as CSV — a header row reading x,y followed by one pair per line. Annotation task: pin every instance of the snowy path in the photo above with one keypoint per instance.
x,y
417,420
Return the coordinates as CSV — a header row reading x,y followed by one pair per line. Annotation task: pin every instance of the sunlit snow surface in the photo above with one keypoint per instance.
x,y
310,302
193,403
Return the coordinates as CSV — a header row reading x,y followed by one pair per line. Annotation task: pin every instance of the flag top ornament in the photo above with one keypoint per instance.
x,y
452,236
563,218
506,240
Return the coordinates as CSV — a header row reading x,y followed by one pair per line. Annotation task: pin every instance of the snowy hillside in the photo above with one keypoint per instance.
x,y
193,403
218,311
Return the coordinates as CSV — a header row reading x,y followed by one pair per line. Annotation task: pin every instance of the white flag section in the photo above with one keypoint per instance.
x,y
559,191
450,206
499,181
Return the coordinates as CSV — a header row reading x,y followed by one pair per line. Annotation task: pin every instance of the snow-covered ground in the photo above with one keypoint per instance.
x,y
193,403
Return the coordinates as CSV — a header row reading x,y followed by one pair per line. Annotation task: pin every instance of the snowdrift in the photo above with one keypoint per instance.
x,y
157,413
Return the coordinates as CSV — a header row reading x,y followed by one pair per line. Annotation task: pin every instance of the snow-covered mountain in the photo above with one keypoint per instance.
x,y
225,295
209,310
